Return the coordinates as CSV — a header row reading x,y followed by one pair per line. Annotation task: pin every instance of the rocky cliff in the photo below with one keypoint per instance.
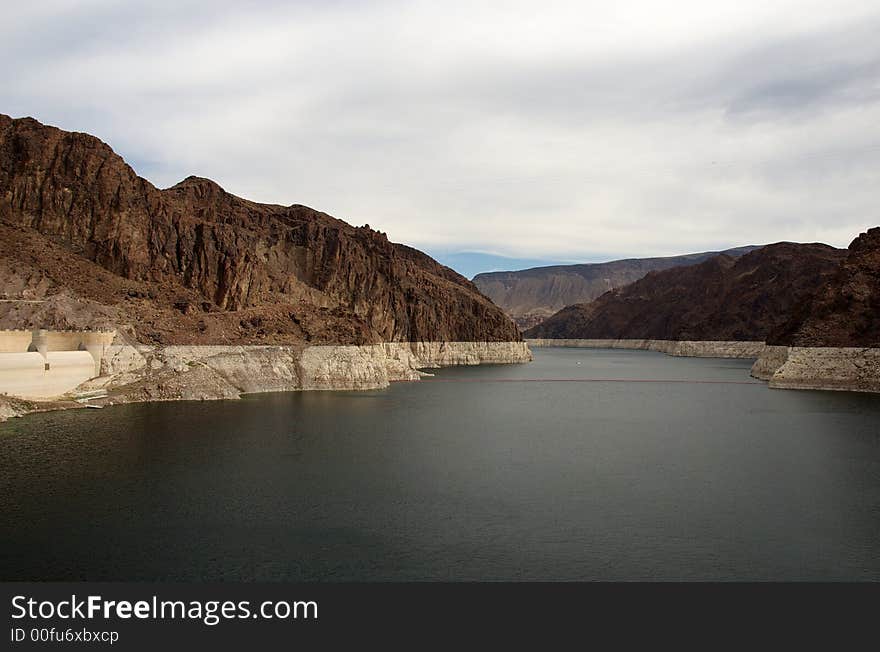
x,y
834,341
846,310
87,242
759,296
151,373
677,348
532,295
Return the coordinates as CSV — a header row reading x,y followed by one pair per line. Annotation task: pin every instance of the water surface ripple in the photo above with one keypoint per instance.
x,y
635,471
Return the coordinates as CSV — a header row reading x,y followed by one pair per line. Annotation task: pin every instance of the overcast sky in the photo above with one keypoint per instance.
x,y
542,130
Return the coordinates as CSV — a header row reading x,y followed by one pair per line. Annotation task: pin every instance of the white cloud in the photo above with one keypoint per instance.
x,y
546,130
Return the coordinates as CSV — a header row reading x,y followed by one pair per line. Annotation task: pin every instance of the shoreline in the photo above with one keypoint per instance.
x,y
146,373
842,369
142,373
677,348
850,369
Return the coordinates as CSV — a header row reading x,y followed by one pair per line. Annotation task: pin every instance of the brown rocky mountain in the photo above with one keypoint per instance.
x,y
846,309
90,244
532,295
762,295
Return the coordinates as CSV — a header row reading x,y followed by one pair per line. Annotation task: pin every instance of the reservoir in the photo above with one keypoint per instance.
x,y
583,465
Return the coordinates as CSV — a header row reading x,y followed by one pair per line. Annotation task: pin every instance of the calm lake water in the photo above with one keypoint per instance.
x,y
497,472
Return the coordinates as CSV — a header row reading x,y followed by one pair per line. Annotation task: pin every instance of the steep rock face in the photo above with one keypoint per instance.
x,y
163,373
532,295
756,297
846,310
679,348
194,263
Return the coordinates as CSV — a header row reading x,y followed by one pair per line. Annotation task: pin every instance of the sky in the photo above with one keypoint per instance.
x,y
493,135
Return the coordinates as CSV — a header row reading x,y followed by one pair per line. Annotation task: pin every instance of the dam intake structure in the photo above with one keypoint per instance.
x,y
46,364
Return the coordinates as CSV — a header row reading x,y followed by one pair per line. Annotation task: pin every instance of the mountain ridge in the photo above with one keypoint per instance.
x,y
759,296
195,264
845,310
531,295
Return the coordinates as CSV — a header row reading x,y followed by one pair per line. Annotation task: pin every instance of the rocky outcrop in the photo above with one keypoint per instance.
x,y
845,311
138,372
148,373
13,407
757,297
818,309
769,360
88,240
702,349
450,354
532,295
828,368
833,342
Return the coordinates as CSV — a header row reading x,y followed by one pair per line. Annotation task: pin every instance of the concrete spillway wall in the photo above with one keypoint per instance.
x,y
45,364
15,341
26,375
95,342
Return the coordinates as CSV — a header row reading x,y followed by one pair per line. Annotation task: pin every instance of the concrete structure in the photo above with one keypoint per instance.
x,y
44,364
95,342
15,341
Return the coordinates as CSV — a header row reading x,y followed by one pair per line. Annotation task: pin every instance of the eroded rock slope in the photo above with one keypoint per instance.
x,y
90,243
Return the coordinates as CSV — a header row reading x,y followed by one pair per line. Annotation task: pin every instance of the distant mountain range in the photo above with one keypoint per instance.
x,y
531,295
765,295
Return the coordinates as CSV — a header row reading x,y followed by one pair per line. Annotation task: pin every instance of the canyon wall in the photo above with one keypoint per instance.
x,y
693,349
768,361
807,367
532,295
85,241
834,342
817,308
211,295
756,297
139,372
827,368
149,373
845,310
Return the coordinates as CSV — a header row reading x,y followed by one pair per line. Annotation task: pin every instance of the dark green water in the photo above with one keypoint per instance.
x,y
466,477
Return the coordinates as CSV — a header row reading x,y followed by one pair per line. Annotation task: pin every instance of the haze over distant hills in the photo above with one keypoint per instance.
x,y
532,295
472,263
